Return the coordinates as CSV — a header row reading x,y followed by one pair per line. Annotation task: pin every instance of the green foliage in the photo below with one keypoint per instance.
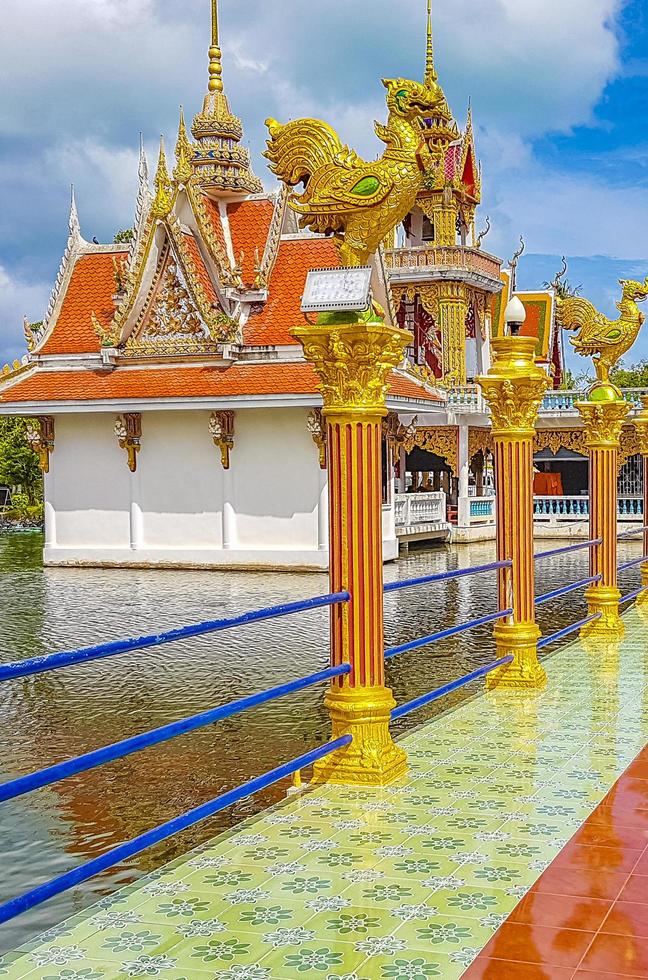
x,y
18,461
125,236
633,376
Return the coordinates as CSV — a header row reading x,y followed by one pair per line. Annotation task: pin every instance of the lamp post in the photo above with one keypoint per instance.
x,y
353,351
514,388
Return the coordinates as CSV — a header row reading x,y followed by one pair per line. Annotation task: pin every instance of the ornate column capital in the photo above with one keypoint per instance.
x,y
603,421
40,436
514,387
221,429
353,361
128,429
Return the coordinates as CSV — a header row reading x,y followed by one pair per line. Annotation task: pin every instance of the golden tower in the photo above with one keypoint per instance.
x,y
442,280
221,165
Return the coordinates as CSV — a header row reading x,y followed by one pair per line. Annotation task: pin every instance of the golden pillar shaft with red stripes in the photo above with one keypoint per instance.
x,y
514,388
603,414
641,426
353,361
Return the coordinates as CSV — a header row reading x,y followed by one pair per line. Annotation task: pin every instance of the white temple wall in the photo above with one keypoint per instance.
x,y
180,507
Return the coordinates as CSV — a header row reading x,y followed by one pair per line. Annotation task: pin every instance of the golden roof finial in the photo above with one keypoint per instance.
x,y
430,70
183,153
215,63
163,187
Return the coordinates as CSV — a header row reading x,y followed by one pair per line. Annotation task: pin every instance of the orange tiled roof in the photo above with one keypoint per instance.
x,y
249,223
213,214
273,324
200,269
190,382
89,291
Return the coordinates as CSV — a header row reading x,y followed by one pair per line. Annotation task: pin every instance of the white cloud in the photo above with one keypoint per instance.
x,y
18,298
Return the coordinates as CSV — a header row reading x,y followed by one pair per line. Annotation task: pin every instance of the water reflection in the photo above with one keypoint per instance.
x,y
55,716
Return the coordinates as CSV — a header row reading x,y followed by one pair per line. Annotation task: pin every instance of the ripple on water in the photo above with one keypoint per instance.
x,y
59,715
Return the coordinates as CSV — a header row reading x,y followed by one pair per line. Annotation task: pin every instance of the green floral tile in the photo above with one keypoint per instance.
x,y
413,964
322,959
444,933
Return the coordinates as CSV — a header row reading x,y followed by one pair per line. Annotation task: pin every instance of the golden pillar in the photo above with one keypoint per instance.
x,y
641,425
514,388
453,312
603,414
353,360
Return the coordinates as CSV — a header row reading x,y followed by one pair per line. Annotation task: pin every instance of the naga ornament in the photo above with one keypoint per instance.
x,y
605,341
357,202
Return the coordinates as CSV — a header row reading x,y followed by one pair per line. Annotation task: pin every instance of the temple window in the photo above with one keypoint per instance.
x,y
427,233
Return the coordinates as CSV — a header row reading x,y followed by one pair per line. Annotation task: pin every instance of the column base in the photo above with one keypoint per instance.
x,y
372,758
603,599
642,598
526,673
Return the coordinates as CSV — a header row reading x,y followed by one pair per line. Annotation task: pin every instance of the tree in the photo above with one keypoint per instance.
x,y
18,461
125,236
634,376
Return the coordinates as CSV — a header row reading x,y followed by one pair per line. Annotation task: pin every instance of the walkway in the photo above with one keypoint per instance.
x,y
414,881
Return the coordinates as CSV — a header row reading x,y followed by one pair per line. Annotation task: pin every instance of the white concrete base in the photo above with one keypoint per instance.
x,y
469,535
284,560
576,530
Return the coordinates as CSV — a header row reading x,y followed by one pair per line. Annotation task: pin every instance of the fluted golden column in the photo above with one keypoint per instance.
x,y
603,414
514,388
453,312
353,361
641,425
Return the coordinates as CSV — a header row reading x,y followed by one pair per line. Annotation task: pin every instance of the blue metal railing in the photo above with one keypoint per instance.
x,y
633,563
405,709
571,547
548,640
566,589
54,661
89,869
632,595
128,746
425,641
629,534
445,576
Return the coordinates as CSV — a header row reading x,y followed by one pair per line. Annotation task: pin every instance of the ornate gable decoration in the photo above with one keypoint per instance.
x,y
170,322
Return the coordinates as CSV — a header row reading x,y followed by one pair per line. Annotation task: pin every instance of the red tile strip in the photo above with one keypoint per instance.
x,y
586,918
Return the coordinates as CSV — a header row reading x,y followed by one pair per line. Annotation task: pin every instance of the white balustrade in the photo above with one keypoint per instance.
x,y
420,508
560,508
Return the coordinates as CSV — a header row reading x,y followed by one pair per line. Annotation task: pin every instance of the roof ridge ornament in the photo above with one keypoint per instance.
x,y
163,186
430,69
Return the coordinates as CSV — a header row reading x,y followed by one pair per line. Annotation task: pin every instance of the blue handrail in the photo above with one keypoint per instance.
x,y
443,634
632,595
631,564
119,750
54,661
547,640
405,709
108,860
629,534
566,589
444,576
568,548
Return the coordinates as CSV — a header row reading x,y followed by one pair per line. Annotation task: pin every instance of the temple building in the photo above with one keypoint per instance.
x,y
175,418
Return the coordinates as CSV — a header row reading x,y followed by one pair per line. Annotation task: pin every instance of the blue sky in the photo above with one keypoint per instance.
x,y
559,92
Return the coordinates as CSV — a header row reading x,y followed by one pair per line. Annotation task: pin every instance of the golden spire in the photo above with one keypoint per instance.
x,y
183,153
215,63
430,70
163,187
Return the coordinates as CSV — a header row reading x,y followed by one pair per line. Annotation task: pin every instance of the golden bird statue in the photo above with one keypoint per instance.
x,y
357,202
605,341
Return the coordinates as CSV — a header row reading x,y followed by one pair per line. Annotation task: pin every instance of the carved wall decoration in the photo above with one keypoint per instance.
x,y
221,429
555,439
128,429
317,427
173,324
631,444
40,436
479,441
441,440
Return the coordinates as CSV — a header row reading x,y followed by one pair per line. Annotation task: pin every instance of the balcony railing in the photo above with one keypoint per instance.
x,y
555,402
423,258
577,508
420,508
467,398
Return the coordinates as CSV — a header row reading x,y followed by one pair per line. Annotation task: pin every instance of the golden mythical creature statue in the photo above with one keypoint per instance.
x,y
606,341
358,202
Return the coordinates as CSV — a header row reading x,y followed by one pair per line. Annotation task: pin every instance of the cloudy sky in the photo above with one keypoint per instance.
x,y
559,90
